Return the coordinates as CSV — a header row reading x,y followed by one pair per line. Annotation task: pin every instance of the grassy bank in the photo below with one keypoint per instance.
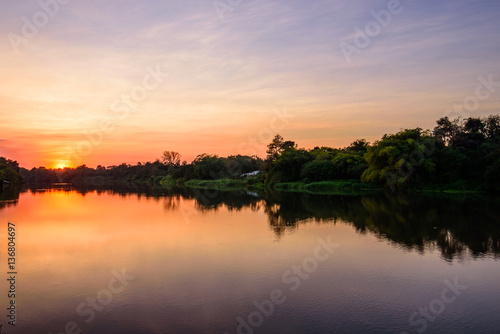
x,y
326,187
329,187
168,181
334,187
222,184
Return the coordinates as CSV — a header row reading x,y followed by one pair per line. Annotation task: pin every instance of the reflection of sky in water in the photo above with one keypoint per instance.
x,y
198,271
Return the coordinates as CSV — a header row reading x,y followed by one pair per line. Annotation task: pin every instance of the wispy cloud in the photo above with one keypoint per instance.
x,y
229,75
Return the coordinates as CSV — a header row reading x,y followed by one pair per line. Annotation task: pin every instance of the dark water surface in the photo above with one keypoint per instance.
x,y
186,261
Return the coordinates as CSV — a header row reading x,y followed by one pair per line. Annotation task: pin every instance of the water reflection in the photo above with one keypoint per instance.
x,y
456,226
8,197
202,258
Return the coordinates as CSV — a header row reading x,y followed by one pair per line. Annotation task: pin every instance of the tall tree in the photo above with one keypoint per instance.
x,y
171,158
446,130
274,148
277,146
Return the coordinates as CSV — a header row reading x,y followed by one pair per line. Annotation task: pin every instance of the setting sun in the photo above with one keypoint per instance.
x,y
59,165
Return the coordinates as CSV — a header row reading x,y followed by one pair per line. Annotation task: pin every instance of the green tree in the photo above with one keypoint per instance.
x,y
349,165
359,145
209,167
492,126
324,153
288,165
10,173
318,170
240,164
277,146
446,130
474,126
274,148
401,159
492,173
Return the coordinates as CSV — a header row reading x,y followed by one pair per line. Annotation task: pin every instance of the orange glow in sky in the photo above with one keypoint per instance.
x,y
132,80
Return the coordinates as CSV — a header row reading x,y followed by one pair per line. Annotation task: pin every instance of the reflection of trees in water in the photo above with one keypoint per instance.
x,y
171,203
209,200
8,197
456,227
278,222
286,211
212,200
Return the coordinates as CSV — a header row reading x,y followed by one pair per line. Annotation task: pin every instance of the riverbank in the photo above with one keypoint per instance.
x,y
222,184
326,187
329,187
334,187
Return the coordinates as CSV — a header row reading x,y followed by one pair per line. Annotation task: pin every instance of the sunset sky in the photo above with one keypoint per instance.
x,y
228,77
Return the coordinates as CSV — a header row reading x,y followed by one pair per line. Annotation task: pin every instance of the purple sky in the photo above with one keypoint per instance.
x,y
234,74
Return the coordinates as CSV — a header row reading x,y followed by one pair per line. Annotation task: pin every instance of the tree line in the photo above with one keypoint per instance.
x,y
204,167
458,154
462,154
9,173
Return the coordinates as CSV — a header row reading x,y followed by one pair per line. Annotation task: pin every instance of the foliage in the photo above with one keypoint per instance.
x,y
349,165
401,159
216,184
468,151
10,173
318,170
458,154
142,172
212,167
288,165
276,148
208,167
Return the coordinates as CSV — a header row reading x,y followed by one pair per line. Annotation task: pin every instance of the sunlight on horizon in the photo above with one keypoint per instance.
x,y
135,80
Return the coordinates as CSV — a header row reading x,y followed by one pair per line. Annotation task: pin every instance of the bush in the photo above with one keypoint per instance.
x,y
318,170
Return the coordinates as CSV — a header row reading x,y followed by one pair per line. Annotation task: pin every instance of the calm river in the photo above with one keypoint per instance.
x,y
195,261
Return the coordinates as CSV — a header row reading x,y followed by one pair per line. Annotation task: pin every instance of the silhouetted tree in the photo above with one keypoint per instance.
x,y
10,173
171,158
274,148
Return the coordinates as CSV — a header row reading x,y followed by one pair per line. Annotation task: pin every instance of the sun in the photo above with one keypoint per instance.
x,y
59,165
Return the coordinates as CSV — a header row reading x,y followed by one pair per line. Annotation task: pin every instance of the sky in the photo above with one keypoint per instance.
x,y
106,82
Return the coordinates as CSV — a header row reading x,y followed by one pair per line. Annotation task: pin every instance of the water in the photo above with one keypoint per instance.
x,y
247,262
